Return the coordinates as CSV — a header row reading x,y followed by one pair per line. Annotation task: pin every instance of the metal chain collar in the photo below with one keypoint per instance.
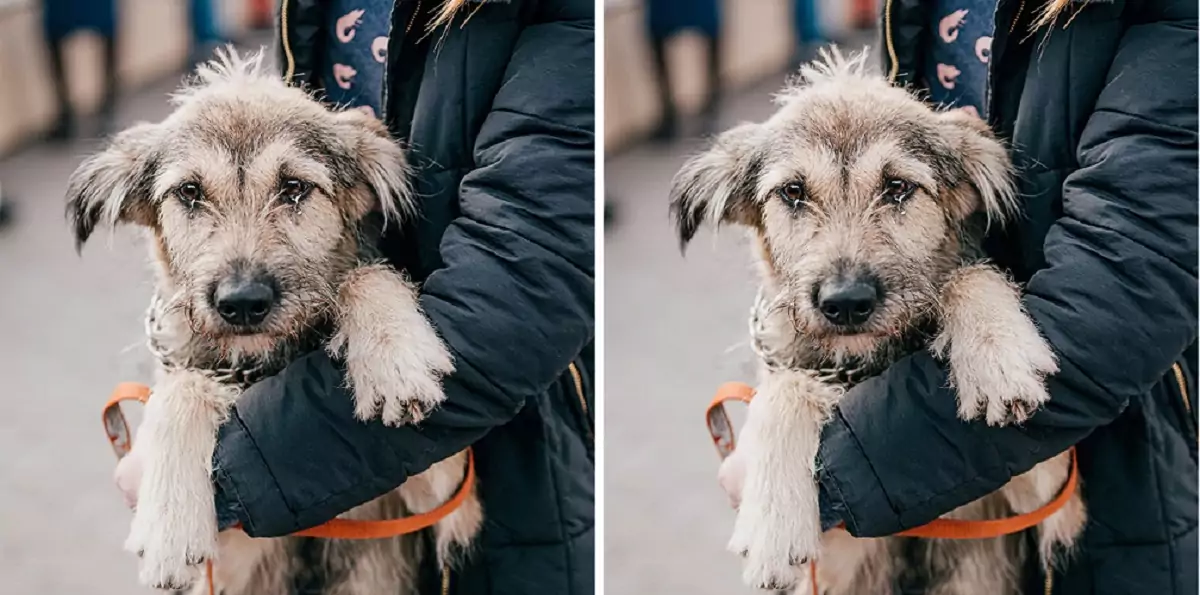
x,y
242,375
784,357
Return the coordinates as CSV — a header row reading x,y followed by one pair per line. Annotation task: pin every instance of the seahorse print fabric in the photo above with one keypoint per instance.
x,y
957,63
357,53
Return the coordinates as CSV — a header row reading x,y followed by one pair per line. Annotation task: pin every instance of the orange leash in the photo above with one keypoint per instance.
x,y
121,439
721,430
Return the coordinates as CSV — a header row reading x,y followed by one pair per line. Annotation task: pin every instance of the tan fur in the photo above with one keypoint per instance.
x,y
845,136
242,135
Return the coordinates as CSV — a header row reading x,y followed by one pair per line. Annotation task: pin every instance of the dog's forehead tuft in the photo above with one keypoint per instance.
x,y
849,124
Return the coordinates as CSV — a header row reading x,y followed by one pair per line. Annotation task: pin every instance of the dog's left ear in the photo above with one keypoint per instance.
x,y
376,160
985,164
115,185
718,185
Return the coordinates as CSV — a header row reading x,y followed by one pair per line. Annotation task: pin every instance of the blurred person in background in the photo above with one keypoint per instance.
x,y
261,14
206,31
1100,98
665,19
60,19
810,36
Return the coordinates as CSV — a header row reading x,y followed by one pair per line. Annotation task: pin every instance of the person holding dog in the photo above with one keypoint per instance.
x,y
1098,100
495,100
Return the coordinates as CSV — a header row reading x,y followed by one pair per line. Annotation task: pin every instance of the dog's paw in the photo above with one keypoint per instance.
x,y
170,552
1002,376
395,384
772,547
394,359
998,360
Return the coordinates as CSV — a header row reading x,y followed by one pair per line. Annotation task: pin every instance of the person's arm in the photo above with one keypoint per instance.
x,y
1117,301
514,303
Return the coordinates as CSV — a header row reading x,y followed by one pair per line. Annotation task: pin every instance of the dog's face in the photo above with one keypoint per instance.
x,y
253,192
857,193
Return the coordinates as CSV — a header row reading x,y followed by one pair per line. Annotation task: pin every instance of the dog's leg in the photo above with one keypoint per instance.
x,y
778,521
175,525
1033,490
394,359
998,360
433,488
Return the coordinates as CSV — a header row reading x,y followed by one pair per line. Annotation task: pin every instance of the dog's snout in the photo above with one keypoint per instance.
x,y
848,302
244,300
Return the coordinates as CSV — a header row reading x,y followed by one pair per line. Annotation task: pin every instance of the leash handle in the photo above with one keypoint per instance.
x,y
717,418
115,426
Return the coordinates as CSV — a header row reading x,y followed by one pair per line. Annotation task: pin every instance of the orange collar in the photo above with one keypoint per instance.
x,y
722,433
117,429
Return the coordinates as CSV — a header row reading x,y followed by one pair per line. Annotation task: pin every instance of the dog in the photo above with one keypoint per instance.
x,y
867,210
262,208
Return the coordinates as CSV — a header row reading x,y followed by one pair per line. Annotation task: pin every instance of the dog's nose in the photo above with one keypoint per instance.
x,y
244,301
847,303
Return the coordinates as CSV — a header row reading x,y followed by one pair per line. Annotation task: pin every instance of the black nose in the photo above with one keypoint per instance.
x,y
244,301
847,303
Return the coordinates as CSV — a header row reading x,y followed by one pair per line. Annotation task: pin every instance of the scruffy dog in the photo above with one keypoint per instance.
x,y
257,199
868,210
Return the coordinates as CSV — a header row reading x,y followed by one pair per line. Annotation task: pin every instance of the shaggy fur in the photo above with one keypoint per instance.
x,y
251,177
855,179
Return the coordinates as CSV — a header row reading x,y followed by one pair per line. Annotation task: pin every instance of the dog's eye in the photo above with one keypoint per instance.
x,y
293,190
190,194
897,191
792,194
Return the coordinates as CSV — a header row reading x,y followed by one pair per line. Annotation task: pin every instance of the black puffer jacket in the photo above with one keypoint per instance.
x,y
1102,118
499,115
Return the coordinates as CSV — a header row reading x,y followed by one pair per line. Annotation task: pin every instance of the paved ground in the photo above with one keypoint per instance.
x,y
70,328
675,329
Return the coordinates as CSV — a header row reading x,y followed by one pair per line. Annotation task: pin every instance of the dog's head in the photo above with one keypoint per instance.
x,y
857,193
254,193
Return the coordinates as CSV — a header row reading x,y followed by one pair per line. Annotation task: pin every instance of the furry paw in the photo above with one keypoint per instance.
x,y
998,360
1002,378
771,550
394,359
171,547
774,538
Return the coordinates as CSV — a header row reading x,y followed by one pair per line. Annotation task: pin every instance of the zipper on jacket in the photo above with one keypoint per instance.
x,y
445,579
1049,583
283,39
1183,392
575,375
887,38
1013,26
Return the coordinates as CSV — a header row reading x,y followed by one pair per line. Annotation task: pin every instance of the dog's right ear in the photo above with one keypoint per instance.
x,y
718,185
115,185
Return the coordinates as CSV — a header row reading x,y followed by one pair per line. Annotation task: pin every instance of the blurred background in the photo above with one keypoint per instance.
x,y
71,326
675,327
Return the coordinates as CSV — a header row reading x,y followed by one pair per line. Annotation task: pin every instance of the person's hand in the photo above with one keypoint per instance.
x,y
128,476
731,476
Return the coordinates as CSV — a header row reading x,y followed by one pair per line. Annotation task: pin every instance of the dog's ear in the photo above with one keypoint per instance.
x,y
115,185
718,185
986,166
375,159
